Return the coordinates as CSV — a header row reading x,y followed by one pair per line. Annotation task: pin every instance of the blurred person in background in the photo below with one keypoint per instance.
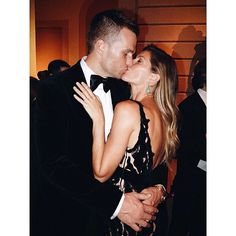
x,y
189,187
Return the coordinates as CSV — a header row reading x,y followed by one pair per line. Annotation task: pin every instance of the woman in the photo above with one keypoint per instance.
x,y
143,132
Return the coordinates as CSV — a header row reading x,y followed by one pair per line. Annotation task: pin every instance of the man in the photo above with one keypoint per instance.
x,y
72,202
189,203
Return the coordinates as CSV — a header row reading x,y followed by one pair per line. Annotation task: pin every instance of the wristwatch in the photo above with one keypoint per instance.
x,y
163,190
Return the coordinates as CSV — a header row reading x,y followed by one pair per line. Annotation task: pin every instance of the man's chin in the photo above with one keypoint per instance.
x,y
123,77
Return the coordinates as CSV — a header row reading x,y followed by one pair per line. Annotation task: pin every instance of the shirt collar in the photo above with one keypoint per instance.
x,y
87,71
203,95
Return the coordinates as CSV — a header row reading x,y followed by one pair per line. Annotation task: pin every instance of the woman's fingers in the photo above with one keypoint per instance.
x,y
80,93
85,90
88,100
89,91
81,101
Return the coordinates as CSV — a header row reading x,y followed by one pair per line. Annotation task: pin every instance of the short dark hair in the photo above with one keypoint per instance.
x,y
108,23
199,78
55,66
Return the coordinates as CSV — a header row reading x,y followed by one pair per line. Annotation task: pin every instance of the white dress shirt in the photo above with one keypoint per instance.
x,y
107,108
104,97
203,94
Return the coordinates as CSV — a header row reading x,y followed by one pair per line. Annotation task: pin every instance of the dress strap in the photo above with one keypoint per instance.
x,y
146,138
142,113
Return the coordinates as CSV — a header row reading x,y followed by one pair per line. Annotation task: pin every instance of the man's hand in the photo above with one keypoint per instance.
x,y
134,213
156,195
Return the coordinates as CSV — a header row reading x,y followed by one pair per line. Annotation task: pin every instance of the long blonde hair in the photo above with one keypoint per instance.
x,y
165,96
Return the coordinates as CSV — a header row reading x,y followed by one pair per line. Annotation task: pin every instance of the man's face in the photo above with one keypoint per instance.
x,y
118,55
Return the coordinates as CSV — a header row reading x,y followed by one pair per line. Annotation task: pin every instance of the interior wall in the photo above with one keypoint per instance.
x,y
179,28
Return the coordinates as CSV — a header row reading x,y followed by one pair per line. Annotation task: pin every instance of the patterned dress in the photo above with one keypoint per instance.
x,y
131,175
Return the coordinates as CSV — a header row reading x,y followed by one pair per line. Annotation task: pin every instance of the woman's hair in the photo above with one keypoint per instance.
x,y
107,24
165,95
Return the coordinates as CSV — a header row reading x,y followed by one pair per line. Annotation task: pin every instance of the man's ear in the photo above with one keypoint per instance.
x,y
99,46
154,79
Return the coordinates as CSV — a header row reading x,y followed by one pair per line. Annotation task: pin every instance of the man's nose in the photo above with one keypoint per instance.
x,y
129,61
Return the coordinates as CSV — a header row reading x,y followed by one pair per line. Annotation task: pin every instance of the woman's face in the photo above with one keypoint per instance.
x,y
140,71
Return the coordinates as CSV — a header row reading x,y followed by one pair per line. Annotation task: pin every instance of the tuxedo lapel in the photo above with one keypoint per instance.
x,y
71,76
68,80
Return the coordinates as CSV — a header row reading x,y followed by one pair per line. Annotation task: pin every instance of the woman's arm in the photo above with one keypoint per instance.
x,y
123,125
106,157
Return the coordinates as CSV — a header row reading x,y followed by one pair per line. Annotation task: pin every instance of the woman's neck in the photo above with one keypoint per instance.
x,y
139,95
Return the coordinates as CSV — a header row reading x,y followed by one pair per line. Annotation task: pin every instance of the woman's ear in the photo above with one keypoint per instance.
x,y
154,79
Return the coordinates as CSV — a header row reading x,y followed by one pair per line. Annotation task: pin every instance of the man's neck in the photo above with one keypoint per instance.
x,y
93,63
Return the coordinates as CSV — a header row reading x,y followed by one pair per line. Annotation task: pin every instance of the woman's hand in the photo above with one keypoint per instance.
x,y
89,101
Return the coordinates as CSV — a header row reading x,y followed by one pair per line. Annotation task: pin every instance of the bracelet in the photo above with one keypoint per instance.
x,y
163,190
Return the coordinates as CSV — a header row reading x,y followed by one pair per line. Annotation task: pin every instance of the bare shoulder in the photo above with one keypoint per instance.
x,y
127,110
127,107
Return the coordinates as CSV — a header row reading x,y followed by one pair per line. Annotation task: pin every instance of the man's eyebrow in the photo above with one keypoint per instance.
x,y
129,50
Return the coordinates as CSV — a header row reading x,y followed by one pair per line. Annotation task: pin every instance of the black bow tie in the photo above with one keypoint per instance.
x,y
95,80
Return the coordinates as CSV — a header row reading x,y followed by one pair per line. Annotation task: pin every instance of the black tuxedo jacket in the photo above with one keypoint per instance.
x,y
192,135
69,201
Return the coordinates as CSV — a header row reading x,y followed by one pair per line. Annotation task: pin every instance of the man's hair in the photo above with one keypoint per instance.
x,y
108,24
55,66
199,78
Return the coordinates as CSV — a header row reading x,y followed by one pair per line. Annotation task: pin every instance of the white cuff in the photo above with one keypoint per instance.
x,y
118,207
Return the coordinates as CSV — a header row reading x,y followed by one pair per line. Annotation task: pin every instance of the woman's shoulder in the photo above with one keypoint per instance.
x,y
127,106
128,111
